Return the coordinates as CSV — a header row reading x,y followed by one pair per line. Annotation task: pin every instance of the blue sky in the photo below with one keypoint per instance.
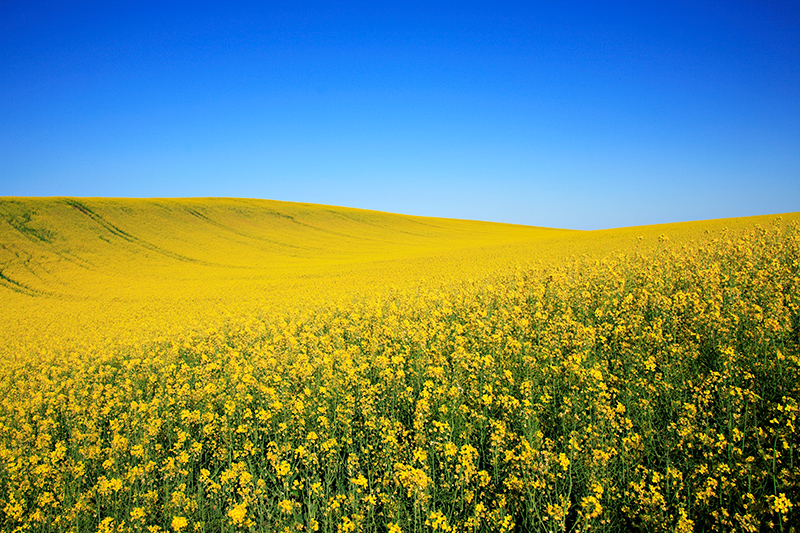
x,y
577,115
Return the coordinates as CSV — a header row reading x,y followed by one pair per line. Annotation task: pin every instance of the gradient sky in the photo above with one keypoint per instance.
x,y
577,115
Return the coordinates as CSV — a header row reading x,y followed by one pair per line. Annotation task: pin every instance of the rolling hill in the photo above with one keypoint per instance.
x,y
122,270
97,272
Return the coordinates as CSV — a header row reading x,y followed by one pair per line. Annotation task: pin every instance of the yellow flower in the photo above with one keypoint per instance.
x,y
179,523
238,513
283,469
591,507
391,527
437,521
359,481
450,449
684,524
286,506
781,504
106,525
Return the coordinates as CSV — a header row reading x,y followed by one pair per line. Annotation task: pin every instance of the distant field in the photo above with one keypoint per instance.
x,y
233,364
119,270
78,272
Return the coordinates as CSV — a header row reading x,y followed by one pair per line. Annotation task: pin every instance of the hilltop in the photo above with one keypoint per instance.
x,y
69,246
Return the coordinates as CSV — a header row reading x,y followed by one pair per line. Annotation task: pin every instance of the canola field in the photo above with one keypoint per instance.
x,y
246,365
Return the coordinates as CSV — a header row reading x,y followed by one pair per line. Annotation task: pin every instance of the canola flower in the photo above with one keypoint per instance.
x,y
651,387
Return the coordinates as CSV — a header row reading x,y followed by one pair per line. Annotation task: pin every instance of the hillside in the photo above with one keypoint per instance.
x,y
116,269
91,273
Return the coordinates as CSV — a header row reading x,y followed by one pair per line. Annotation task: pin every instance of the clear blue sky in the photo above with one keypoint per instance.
x,y
580,115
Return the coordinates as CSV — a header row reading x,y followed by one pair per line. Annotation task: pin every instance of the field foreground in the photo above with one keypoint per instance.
x,y
226,365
